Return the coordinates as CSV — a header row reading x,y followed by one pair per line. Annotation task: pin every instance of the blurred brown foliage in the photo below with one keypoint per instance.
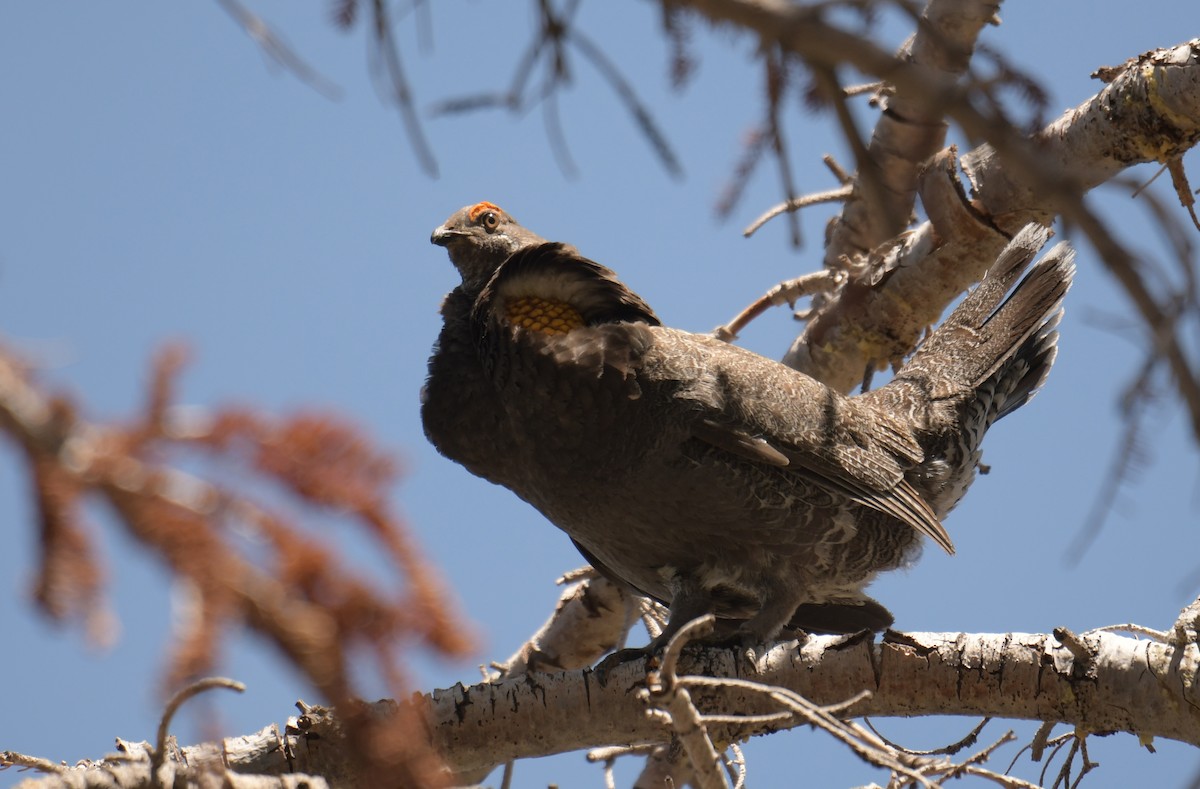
x,y
294,591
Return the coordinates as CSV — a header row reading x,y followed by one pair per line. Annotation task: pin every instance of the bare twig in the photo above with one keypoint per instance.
x,y
1161,636
666,765
274,46
557,138
398,90
667,695
783,293
1037,746
550,47
737,766
947,750
1080,651
776,67
1139,396
1187,625
910,126
1183,190
754,145
844,178
869,183
1015,178
173,705
625,92
14,759
794,204
593,616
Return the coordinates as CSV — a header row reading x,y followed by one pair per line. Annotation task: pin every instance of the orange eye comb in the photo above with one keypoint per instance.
x,y
479,208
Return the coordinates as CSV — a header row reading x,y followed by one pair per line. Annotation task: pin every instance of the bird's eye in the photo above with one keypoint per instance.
x,y
489,220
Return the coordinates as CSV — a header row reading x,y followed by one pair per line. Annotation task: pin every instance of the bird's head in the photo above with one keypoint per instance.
x,y
479,238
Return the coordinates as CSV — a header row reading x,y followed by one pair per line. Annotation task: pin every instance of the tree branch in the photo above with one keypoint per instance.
x,y
1126,685
880,315
1100,682
909,130
1147,113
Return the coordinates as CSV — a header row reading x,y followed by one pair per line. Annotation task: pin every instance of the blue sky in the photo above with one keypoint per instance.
x,y
163,180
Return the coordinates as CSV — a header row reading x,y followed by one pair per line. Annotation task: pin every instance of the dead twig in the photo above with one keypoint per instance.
x,y
387,51
274,46
794,204
177,701
783,293
669,699
556,38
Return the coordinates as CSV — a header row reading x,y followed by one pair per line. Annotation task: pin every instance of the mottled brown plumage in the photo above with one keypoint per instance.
x,y
699,473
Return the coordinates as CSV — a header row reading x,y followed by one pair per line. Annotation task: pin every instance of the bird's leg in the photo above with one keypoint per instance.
x,y
688,601
763,628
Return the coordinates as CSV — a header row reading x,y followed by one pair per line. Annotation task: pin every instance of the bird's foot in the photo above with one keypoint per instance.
x,y
752,651
619,658
652,653
752,647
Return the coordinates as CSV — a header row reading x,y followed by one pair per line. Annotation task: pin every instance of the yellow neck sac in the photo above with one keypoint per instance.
x,y
548,316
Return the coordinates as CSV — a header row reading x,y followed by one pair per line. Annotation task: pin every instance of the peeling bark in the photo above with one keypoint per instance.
x,y
1141,687
1099,682
1147,113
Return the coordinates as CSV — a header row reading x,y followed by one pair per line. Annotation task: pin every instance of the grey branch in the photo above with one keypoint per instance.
x,y
909,130
970,223
1146,113
1122,684
1128,685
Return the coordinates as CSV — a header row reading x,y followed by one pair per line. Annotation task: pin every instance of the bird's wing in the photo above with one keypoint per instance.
x,y
901,500
562,317
556,274
739,442
767,413
855,475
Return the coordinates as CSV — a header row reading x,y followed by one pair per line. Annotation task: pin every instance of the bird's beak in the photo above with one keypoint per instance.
x,y
442,236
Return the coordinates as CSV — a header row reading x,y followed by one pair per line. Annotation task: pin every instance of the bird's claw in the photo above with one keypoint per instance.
x,y
619,658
